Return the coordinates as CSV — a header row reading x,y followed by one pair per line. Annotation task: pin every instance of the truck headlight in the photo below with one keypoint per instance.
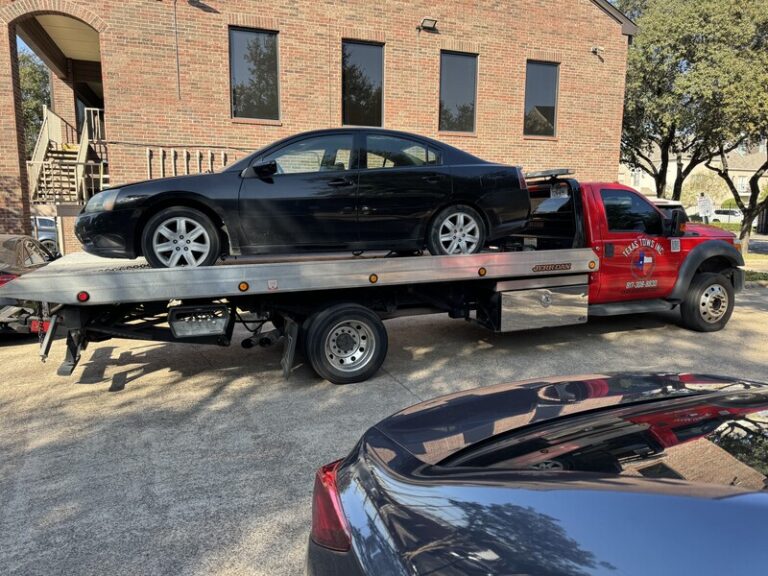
x,y
102,202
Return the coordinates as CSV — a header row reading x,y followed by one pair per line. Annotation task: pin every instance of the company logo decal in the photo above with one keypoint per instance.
x,y
552,267
642,254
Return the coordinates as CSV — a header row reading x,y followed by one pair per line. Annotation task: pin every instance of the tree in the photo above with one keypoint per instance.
x,y
707,183
35,93
674,77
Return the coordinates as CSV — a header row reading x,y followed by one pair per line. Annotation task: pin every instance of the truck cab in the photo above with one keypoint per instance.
x,y
648,261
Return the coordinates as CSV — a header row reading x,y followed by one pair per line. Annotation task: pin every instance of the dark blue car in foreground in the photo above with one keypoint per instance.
x,y
623,474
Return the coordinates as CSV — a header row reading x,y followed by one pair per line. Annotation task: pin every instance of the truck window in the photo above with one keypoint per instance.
x,y
627,212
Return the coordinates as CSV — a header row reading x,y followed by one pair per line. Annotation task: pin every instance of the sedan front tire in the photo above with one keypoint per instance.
x,y
180,236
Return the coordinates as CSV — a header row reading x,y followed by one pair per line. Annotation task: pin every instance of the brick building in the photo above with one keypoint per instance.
x,y
146,88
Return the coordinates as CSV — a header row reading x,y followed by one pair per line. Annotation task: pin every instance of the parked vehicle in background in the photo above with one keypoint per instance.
x,y
328,190
728,216
625,474
44,228
19,255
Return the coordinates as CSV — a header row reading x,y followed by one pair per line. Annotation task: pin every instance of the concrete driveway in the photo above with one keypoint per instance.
x,y
166,459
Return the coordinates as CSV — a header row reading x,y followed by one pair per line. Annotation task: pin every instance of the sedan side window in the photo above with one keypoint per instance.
x,y
395,152
319,154
627,212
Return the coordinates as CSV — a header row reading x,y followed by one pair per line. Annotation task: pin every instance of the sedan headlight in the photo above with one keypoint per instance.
x,y
102,202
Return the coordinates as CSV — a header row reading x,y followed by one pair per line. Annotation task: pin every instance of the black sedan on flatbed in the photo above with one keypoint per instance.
x,y
329,190
623,474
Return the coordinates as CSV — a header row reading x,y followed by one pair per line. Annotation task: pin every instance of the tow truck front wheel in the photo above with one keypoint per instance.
x,y
346,343
708,305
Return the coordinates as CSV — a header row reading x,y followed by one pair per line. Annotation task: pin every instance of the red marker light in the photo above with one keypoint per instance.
x,y
83,296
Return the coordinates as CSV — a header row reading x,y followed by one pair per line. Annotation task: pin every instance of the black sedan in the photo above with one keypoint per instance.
x,y
625,474
328,190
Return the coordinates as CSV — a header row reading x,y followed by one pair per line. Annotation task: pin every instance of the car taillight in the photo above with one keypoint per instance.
x,y
35,326
329,527
5,278
521,179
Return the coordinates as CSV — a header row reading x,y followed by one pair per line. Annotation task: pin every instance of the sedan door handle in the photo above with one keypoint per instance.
x,y
340,182
431,179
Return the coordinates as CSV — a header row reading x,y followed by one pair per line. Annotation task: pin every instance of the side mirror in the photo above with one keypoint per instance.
x,y
260,170
676,224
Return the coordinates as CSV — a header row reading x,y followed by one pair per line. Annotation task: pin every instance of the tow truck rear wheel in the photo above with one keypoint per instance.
x,y
346,343
708,305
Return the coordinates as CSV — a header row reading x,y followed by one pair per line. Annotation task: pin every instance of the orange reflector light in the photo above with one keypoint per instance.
x,y
83,296
592,264
243,286
373,278
482,272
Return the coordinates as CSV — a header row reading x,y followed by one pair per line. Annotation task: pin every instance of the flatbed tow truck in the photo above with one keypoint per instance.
x,y
589,249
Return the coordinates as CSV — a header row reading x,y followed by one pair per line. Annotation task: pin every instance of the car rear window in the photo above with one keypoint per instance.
x,y
715,439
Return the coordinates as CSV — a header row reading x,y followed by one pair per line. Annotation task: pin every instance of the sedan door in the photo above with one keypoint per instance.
x,y
310,202
401,183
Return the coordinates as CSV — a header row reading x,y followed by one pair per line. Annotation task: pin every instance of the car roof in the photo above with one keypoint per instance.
x,y
456,155
440,428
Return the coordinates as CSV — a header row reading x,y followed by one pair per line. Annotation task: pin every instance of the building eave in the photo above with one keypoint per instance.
x,y
628,28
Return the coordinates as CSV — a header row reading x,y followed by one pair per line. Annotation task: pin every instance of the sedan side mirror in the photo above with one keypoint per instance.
x,y
260,170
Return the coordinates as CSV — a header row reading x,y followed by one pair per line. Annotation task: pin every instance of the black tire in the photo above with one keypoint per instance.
x,y
346,343
708,304
158,259
434,243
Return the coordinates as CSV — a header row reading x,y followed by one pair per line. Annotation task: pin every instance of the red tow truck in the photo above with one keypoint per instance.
x,y
589,249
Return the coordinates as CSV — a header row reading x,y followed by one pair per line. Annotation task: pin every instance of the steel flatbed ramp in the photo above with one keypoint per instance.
x,y
118,281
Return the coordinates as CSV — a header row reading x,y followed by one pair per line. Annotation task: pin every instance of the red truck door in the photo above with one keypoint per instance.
x,y
637,261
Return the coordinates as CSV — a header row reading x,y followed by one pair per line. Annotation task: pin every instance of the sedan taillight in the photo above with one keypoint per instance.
x,y
5,278
329,527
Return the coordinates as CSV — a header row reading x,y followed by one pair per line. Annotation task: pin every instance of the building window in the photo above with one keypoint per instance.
x,y
254,74
458,91
742,184
637,177
362,73
541,84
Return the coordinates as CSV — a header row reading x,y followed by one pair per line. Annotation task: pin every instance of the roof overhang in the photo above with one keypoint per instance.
x,y
628,28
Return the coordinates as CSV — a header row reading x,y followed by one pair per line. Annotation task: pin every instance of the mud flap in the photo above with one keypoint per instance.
x,y
290,337
76,343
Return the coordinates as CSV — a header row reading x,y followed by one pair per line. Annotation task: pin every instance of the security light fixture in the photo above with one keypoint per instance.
x,y
428,24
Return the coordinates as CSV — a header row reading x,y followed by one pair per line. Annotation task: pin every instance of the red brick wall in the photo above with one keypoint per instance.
x,y
14,205
63,100
143,107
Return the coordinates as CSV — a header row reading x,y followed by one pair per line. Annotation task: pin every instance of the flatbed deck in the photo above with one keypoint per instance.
x,y
119,281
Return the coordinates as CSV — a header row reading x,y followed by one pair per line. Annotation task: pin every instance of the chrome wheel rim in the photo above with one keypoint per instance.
x,y
713,303
181,241
459,234
350,345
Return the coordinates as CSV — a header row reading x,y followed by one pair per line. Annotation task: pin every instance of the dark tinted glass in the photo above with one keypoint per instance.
x,y
540,99
362,68
394,152
458,78
318,154
626,211
254,74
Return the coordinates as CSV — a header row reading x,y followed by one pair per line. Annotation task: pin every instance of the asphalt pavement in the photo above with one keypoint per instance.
x,y
190,460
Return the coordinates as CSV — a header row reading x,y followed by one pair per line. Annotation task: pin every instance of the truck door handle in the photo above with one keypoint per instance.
x,y
609,250
340,182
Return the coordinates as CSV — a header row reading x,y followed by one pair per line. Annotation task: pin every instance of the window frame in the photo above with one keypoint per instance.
x,y
354,160
248,119
362,160
381,45
556,133
475,96
640,198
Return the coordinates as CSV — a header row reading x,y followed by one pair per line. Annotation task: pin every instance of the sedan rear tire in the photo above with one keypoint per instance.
x,y
456,230
180,236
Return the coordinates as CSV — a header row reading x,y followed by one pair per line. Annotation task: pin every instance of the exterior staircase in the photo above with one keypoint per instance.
x,y
65,169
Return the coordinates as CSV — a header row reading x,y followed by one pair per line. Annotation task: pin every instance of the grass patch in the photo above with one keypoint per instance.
x,y
753,276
